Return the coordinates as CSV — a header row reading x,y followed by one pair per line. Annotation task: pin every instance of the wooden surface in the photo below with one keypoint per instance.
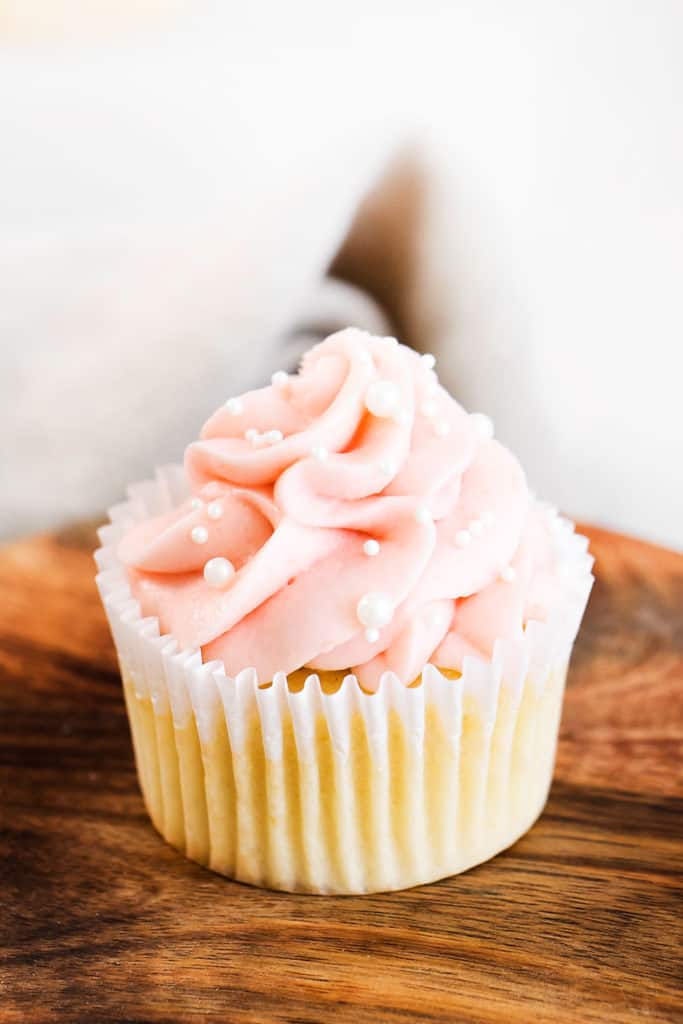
x,y
101,921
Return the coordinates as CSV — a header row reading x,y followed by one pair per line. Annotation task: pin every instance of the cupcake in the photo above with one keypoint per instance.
x,y
343,628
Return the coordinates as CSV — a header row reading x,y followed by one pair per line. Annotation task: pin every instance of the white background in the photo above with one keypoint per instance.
x,y
172,189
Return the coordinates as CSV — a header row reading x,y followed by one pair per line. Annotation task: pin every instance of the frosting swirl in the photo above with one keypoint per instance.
x,y
368,519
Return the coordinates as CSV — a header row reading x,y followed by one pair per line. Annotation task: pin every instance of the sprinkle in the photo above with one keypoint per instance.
x,y
214,510
371,547
320,452
372,635
199,535
508,574
387,467
428,408
196,504
259,440
280,379
428,360
442,428
423,515
476,527
482,424
435,618
235,406
218,572
383,399
463,538
375,610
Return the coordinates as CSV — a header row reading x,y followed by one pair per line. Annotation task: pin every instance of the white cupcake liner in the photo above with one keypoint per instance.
x,y
344,791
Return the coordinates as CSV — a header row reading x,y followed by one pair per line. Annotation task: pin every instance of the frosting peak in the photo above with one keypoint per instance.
x,y
366,515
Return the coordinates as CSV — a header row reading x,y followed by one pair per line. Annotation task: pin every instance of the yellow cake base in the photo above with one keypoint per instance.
x,y
389,812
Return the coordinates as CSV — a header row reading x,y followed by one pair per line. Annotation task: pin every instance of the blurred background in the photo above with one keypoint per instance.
x,y
191,192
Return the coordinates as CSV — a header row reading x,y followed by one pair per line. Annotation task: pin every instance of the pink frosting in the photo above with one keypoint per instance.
x,y
294,526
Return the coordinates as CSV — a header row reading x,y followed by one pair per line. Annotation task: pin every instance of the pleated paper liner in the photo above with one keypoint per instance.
x,y
330,789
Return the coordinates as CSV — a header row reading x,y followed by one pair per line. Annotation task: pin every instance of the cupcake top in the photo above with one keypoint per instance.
x,y
351,517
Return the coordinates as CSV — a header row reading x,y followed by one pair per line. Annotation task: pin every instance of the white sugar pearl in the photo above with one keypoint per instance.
x,y
390,341
218,572
428,360
428,408
251,435
435,618
196,504
235,406
387,467
280,379
365,356
320,452
482,424
476,527
372,635
442,428
463,538
273,436
199,535
383,398
488,519
375,610
371,547
423,515
508,574
214,510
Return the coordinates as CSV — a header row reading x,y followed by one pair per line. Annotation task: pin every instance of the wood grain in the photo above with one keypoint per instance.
x,y
102,922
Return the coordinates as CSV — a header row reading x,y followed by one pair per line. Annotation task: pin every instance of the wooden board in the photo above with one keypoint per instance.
x,y
102,922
